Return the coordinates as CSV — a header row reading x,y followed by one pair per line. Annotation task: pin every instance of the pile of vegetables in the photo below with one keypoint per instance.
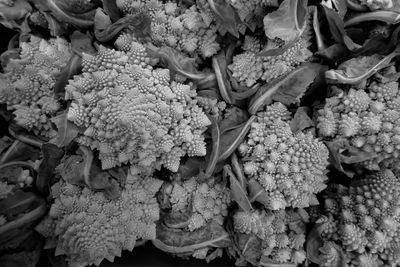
x,y
266,131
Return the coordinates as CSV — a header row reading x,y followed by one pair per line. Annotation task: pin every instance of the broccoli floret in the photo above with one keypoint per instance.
x,y
280,235
133,112
363,220
368,119
89,227
289,166
186,29
28,82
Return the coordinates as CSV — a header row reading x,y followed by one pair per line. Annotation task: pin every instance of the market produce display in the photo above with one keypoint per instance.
x,y
263,131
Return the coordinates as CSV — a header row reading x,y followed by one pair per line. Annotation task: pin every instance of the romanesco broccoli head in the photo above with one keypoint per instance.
x,y
280,234
89,227
248,68
367,119
132,112
204,201
364,219
289,166
28,83
177,26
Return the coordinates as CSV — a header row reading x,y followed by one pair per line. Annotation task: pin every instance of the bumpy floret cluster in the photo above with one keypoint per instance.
x,y
247,68
5,189
89,227
204,201
185,29
377,4
282,233
212,106
364,219
369,119
27,84
133,112
290,167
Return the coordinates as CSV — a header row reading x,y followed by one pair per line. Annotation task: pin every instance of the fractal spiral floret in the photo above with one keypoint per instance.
x,y
27,86
289,166
281,233
248,67
89,227
205,202
369,119
132,112
265,133
183,28
363,220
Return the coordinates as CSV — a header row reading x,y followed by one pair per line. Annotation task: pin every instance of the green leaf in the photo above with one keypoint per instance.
x,y
220,68
56,27
313,244
77,7
14,238
184,243
110,7
85,170
341,7
67,130
82,43
232,137
192,167
341,152
375,45
26,219
17,11
335,254
177,62
21,259
390,17
226,83
336,26
226,17
234,118
357,69
288,22
15,16
213,158
105,30
287,89
334,53
248,249
71,12
20,151
238,170
257,193
72,68
209,93
8,55
19,202
354,155
71,169
56,261
10,173
266,262
238,193
301,121
52,155
21,134
5,143
319,38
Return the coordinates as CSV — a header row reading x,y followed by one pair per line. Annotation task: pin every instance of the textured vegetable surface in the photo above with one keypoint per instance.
x,y
267,131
